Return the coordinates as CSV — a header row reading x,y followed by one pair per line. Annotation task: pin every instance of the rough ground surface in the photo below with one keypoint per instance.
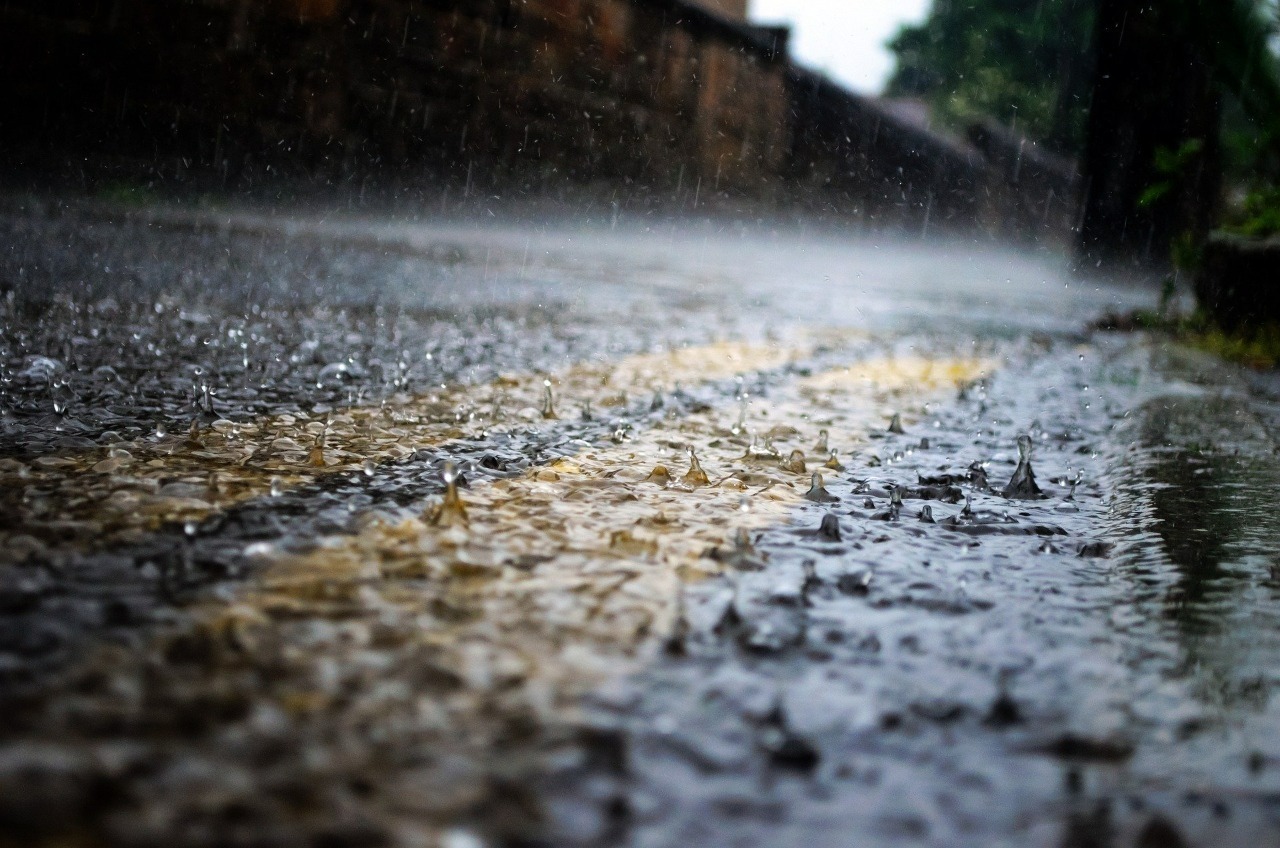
x,y
269,629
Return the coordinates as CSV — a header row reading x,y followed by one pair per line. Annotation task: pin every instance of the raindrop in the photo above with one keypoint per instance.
x,y
548,401
740,426
367,467
277,487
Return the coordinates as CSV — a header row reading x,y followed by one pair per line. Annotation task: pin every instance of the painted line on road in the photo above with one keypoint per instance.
x,y
122,493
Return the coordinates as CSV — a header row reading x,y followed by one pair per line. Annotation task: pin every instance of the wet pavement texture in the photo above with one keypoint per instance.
x,y
759,537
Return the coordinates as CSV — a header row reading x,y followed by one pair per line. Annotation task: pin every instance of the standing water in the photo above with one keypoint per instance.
x,y
386,590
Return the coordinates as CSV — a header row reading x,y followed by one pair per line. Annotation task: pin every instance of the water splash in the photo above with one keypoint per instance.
x,y
1022,485
451,512
895,424
818,491
830,527
659,476
548,401
316,458
695,476
742,555
794,462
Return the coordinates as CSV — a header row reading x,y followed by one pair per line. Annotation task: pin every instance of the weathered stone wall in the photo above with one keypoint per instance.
x,y
651,98
652,90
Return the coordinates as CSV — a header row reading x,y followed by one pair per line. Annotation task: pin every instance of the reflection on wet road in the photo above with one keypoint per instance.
x,y
746,548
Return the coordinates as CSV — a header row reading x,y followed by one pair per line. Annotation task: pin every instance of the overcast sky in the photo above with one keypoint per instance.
x,y
845,38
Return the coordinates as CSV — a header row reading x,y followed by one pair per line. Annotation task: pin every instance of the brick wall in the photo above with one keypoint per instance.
x,y
538,90
656,96
736,9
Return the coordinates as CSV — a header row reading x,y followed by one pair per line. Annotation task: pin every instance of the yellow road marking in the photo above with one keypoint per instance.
x,y
439,659
564,578
121,493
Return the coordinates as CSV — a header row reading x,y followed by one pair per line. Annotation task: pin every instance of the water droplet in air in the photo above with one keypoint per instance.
x,y
548,401
367,467
740,426
277,487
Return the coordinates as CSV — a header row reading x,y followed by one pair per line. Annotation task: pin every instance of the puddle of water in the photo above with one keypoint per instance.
x,y
1037,688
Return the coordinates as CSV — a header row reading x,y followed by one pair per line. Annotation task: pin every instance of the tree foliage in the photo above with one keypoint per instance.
x,y
1023,62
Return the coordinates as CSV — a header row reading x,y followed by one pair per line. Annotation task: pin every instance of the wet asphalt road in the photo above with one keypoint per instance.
x,y
233,610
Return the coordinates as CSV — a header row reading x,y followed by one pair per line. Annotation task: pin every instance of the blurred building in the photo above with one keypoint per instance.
x,y
736,9
679,100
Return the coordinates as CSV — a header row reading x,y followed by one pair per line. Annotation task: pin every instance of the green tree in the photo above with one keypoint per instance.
x,y
1026,63
1153,154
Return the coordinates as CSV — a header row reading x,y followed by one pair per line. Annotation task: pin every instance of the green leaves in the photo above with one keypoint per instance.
x,y
1022,63
1170,165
